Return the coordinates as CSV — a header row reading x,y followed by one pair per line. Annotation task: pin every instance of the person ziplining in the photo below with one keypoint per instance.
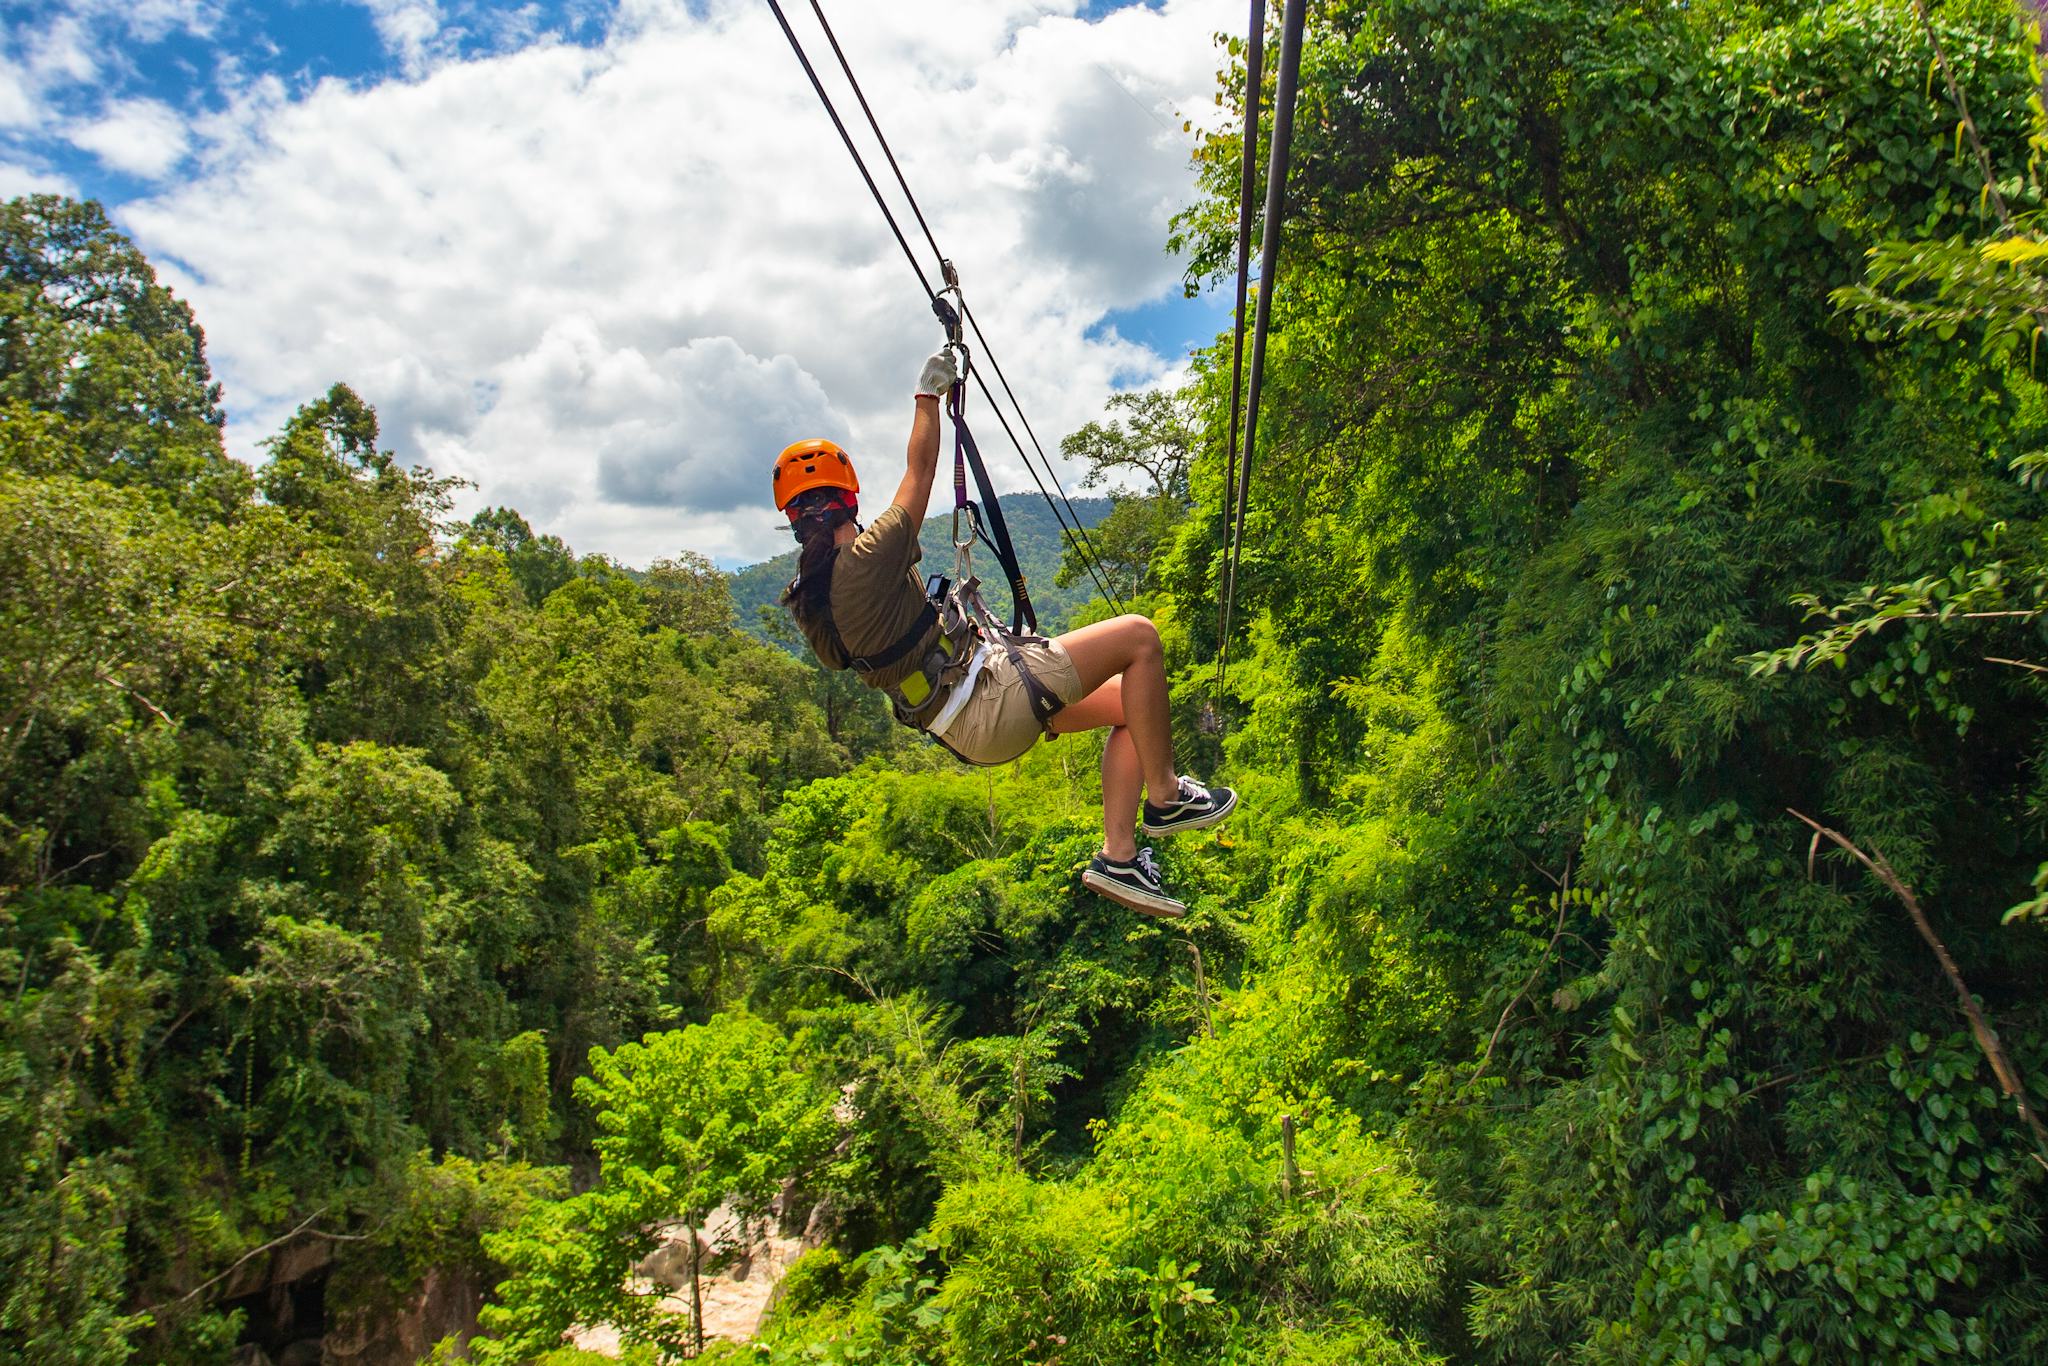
x,y
951,670
983,690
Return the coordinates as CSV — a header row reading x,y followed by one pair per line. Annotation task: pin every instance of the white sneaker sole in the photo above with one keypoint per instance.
x,y
1123,894
1214,816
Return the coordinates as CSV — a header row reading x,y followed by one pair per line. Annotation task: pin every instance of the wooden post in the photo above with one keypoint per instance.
x,y
1202,989
696,1293
1290,1175
1017,1097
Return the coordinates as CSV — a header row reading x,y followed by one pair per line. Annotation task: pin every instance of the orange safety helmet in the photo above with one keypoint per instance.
x,y
811,465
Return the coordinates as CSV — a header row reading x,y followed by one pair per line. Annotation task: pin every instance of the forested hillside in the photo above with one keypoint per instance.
x,y
1650,466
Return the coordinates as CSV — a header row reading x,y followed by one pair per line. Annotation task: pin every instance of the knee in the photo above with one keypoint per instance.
x,y
1142,635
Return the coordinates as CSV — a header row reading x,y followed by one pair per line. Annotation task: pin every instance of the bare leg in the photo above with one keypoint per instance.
x,y
1122,781
1128,647
1121,788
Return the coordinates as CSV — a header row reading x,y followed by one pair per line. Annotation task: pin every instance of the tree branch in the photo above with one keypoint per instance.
x,y
1955,95
237,1264
1987,1037
1563,894
152,707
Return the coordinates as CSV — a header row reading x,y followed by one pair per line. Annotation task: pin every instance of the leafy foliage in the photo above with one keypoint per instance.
x,y
687,1120
329,833
1607,512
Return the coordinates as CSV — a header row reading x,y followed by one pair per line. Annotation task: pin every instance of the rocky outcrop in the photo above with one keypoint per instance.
x,y
445,1305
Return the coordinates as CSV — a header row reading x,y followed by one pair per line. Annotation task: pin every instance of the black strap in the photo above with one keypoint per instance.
x,y
898,648
903,645
1269,270
965,452
1045,704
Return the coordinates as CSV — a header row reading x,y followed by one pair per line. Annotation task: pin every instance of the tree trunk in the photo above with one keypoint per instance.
x,y
1290,1175
696,1289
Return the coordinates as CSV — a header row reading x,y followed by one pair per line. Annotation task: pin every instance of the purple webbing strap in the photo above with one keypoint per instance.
x,y
956,404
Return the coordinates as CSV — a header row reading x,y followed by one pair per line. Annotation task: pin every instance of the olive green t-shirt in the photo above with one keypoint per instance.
x,y
876,598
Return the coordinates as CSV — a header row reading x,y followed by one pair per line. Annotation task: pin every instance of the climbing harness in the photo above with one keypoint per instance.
x,y
958,601
1069,520
1240,466
996,536
985,520
897,648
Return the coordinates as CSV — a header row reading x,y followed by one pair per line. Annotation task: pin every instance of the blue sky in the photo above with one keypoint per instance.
x,y
299,40
1173,326
196,56
594,256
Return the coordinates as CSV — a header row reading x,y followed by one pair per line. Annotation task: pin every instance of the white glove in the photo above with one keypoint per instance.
x,y
940,374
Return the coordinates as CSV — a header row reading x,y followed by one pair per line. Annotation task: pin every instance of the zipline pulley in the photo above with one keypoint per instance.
x,y
947,314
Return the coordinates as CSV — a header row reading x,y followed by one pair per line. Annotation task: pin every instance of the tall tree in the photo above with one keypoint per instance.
x,y
1153,435
89,337
688,1120
540,563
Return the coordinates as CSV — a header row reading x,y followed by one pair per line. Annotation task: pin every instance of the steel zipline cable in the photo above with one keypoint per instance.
x,y
1269,261
1076,533
1248,184
852,151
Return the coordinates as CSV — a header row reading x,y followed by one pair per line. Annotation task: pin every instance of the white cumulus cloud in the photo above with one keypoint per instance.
x,y
62,47
691,423
142,137
60,51
20,180
607,284
410,29
150,20
20,104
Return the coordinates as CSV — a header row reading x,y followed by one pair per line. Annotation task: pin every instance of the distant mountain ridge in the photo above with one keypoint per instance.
x,y
1033,530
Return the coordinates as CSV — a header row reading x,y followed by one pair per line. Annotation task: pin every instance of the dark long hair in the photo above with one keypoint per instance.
x,y
808,594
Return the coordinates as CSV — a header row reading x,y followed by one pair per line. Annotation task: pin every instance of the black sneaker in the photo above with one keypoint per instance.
x,y
1198,806
1135,884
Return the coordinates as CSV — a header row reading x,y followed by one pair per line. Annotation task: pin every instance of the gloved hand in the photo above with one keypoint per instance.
x,y
940,374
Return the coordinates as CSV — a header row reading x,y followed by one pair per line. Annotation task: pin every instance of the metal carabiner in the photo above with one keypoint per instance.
x,y
949,314
963,547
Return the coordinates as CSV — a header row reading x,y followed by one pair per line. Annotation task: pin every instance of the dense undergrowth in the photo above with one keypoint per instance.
x,y
363,873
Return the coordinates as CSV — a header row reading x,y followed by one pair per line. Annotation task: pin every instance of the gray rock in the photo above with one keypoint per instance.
x,y
670,1262
445,1305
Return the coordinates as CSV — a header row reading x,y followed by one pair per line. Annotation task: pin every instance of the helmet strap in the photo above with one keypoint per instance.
x,y
821,510
829,520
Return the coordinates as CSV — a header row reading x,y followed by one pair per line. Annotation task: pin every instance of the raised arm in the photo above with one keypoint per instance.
x,y
921,461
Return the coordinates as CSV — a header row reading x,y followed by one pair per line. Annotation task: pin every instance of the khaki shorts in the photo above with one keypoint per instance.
x,y
996,724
